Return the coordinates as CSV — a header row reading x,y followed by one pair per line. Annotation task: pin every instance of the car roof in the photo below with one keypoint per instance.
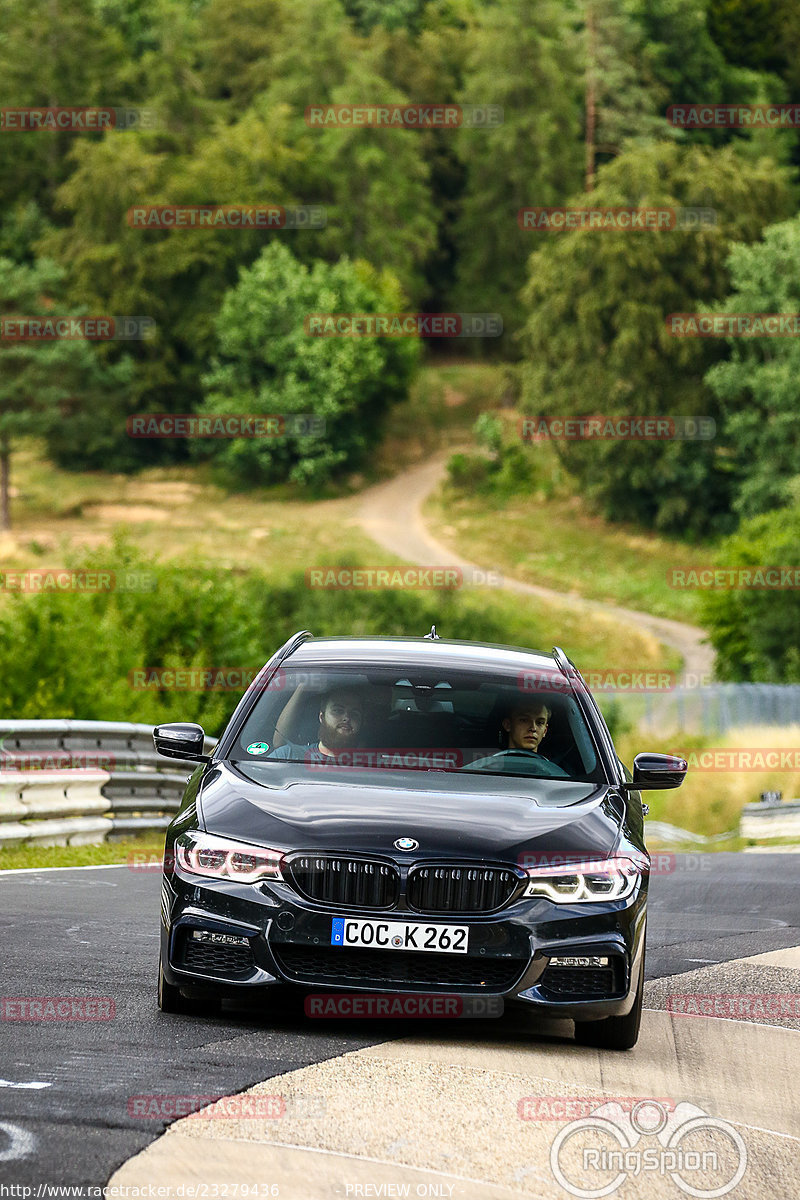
x,y
418,651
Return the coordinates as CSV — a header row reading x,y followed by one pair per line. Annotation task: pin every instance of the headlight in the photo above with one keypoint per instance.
x,y
585,881
221,858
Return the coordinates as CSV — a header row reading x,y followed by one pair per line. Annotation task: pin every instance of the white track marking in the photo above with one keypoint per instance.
x,y
33,1085
41,870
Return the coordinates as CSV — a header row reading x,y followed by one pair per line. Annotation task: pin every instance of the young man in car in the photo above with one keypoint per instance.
x,y
526,725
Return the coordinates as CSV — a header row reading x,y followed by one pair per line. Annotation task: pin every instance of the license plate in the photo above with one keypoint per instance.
x,y
400,935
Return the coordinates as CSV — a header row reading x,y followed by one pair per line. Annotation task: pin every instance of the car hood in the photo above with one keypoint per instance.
x,y
279,805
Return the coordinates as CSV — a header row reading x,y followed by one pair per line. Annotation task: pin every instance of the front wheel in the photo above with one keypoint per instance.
x,y
614,1033
172,1000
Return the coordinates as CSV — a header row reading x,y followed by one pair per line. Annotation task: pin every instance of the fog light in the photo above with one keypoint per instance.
x,y
218,939
574,960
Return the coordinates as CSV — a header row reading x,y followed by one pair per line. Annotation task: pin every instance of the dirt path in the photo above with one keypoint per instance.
x,y
391,513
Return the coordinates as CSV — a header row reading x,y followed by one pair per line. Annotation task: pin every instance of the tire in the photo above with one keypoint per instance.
x,y
614,1033
172,1000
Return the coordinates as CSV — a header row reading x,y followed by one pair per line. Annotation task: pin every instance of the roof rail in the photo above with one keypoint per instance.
x,y
565,665
289,646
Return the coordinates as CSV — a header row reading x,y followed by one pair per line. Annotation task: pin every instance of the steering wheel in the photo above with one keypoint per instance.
x,y
557,771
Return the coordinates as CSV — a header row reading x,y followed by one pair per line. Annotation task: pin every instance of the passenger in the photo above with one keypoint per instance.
x,y
340,720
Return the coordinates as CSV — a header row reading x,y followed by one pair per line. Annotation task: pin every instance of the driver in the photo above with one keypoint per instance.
x,y
526,725
340,720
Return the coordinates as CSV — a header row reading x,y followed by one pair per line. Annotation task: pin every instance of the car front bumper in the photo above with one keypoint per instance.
x,y
234,939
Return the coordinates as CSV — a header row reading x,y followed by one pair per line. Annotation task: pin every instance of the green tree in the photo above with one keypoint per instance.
x,y
759,386
43,383
756,631
52,53
374,182
596,338
521,58
268,364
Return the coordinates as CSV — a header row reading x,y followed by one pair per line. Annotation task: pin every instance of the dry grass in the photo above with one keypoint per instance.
x,y
711,801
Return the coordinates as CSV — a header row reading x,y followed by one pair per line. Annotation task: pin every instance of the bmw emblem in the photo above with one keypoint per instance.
x,y
406,844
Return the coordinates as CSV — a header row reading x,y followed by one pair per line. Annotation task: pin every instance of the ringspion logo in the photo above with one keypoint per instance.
x,y
595,1155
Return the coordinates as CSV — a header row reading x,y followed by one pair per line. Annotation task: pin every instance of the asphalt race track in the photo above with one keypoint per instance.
x,y
94,933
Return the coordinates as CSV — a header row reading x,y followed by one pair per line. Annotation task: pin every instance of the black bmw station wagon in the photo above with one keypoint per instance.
x,y
388,816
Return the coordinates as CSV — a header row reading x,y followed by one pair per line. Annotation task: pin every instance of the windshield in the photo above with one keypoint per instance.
x,y
384,719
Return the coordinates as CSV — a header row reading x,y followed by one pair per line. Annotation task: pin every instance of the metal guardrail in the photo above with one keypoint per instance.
x,y
714,708
66,782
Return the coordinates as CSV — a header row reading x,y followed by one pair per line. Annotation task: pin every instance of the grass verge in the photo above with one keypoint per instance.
x,y
711,801
14,858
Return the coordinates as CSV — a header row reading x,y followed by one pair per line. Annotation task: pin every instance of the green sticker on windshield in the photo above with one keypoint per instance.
x,y
258,748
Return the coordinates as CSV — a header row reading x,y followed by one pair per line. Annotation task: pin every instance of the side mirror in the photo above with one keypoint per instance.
x,y
652,771
181,740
